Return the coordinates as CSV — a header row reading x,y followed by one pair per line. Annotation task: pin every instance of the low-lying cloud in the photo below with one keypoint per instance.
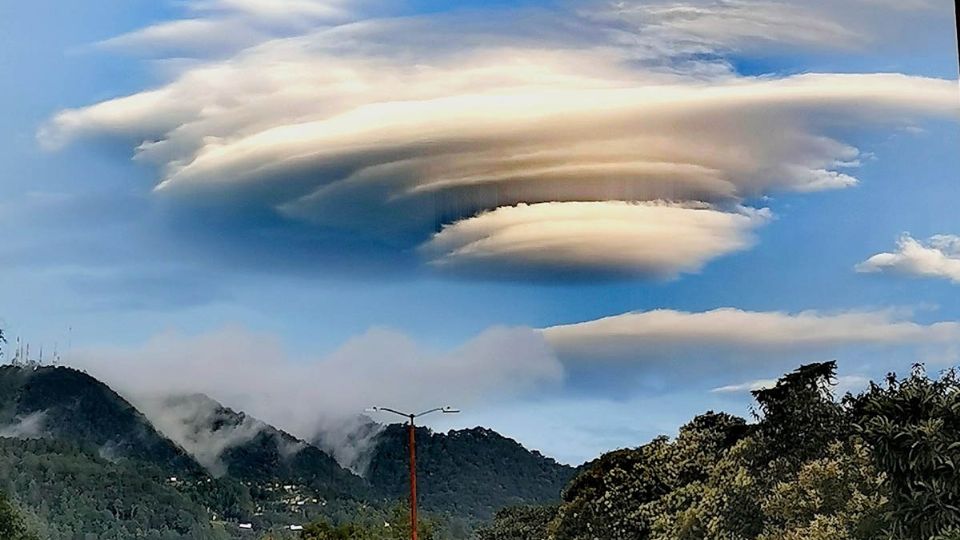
x,y
196,423
30,426
703,355
253,373
939,257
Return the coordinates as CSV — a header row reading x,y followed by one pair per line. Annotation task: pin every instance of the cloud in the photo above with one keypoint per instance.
x,y
669,332
511,379
587,239
253,373
366,130
196,423
217,27
676,28
26,427
289,9
842,385
706,26
939,257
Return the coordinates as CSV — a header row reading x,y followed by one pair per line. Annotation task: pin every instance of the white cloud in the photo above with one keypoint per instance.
x,y
522,382
30,426
369,130
750,386
939,257
252,372
842,385
708,25
195,423
651,239
674,29
288,9
669,332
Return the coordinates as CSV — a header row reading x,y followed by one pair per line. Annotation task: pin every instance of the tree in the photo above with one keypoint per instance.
x,y
323,530
913,429
519,523
799,418
11,522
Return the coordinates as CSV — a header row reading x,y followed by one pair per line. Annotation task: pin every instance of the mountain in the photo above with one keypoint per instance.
x,y
68,492
470,472
67,404
232,443
78,458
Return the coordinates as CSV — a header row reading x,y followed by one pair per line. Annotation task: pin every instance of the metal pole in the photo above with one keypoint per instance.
x,y
413,480
413,455
956,4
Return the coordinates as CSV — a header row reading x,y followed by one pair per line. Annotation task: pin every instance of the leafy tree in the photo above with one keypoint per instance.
x,y
12,526
396,527
519,523
913,429
799,472
323,530
799,418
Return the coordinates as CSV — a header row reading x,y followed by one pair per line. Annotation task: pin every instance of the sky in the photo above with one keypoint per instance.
x,y
581,222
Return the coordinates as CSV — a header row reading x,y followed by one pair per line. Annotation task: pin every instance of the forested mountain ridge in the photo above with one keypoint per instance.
x,y
232,443
77,459
67,492
471,472
67,404
467,473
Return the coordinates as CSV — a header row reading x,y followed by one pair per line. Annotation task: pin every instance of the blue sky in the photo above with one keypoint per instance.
x,y
415,201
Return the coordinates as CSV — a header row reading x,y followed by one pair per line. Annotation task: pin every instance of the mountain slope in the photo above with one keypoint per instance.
x,y
268,475
232,443
471,472
69,492
70,405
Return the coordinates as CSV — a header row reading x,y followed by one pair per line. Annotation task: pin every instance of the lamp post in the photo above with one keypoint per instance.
x,y
413,455
956,5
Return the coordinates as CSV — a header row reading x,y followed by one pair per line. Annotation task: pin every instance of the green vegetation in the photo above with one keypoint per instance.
x,y
80,460
69,405
468,473
85,464
67,492
879,465
395,525
12,526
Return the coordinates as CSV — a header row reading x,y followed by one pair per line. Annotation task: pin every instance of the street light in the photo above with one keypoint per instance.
x,y
413,455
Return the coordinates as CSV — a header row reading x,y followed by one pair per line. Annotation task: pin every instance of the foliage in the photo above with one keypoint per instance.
x,y
519,523
913,428
70,405
879,465
624,494
470,473
70,492
396,526
12,526
800,418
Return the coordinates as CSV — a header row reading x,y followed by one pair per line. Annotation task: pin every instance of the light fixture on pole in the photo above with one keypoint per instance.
x,y
413,455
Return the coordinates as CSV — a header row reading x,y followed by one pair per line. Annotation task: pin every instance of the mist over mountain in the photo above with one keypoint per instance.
x,y
63,431
232,443
66,404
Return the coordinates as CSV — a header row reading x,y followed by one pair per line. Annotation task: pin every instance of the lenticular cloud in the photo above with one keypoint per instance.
x,y
503,157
